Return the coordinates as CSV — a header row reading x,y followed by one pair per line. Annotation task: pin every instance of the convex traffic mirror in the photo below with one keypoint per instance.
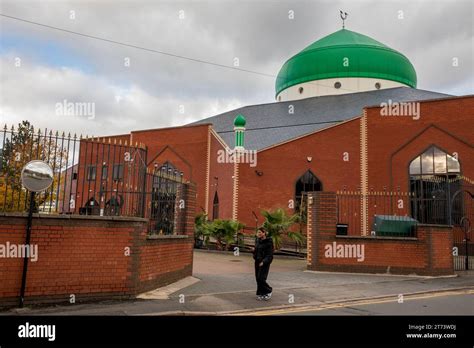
x,y
36,176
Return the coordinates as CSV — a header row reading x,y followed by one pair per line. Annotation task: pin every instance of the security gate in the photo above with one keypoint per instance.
x,y
447,200
462,208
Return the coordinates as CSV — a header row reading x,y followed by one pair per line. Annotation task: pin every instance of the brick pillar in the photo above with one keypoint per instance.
x,y
325,218
322,220
190,211
439,249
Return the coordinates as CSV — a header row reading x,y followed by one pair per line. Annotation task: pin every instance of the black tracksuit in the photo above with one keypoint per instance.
x,y
263,253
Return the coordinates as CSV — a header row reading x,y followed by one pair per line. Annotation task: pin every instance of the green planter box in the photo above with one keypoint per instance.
x,y
392,225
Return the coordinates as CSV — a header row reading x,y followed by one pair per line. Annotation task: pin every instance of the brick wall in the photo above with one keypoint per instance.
x,y
393,142
284,164
184,147
430,253
164,260
220,181
87,256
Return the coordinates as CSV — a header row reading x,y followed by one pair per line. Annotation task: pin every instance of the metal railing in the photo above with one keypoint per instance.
x,y
102,176
166,201
375,213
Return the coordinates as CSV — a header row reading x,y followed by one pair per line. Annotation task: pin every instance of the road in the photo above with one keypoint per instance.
x,y
224,283
446,303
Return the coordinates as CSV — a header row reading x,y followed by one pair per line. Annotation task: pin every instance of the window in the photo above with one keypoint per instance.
x,y
91,173
301,89
105,172
308,182
377,85
117,172
215,207
433,185
434,161
337,85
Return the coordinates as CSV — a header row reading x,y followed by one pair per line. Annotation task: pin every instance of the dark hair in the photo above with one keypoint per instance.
x,y
262,229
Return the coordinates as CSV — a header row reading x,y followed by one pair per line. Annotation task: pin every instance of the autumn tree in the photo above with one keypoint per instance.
x,y
21,146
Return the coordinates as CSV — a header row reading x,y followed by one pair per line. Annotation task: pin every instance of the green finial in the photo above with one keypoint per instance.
x,y
239,128
239,121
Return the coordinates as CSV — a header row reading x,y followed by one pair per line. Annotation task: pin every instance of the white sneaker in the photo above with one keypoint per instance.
x,y
260,298
267,297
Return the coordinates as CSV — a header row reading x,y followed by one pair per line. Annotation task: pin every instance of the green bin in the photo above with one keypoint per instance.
x,y
393,225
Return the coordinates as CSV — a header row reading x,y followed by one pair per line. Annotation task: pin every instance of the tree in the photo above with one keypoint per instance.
x,y
20,147
277,224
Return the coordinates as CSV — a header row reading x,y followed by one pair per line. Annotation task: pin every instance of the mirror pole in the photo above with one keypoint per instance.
x,y
27,243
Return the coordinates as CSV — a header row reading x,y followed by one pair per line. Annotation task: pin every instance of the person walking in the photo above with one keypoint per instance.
x,y
263,256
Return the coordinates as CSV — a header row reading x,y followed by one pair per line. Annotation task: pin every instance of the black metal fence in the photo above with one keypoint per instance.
x,y
395,213
461,211
375,213
92,176
166,199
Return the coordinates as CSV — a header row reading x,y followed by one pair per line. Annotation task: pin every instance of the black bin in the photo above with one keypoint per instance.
x,y
341,229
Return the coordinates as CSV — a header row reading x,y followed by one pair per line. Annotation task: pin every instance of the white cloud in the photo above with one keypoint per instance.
x,y
148,94
31,92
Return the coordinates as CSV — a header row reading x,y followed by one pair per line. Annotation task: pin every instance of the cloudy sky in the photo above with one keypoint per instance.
x,y
133,88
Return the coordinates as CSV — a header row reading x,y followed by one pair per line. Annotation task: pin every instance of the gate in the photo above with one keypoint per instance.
x,y
447,200
166,200
462,209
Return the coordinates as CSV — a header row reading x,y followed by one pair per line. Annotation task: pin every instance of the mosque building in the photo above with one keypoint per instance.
x,y
347,117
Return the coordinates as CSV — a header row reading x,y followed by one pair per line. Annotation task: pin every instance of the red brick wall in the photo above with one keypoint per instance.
x,y
75,256
283,165
428,254
164,260
87,257
184,147
394,141
223,183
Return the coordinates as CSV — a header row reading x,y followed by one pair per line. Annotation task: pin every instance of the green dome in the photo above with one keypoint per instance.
x,y
239,121
324,59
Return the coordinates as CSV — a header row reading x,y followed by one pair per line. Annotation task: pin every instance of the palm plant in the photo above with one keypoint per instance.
x,y
201,229
277,224
224,231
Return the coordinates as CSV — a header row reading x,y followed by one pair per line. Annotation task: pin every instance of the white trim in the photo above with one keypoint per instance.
x,y
235,193
219,139
324,87
364,205
208,167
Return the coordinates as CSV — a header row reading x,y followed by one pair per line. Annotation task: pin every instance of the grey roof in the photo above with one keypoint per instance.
x,y
309,115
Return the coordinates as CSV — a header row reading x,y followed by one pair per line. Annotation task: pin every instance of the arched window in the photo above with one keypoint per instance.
x,y
433,183
308,182
215,207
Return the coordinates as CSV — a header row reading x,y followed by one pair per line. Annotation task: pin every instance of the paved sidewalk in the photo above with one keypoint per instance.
x,y
225,284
